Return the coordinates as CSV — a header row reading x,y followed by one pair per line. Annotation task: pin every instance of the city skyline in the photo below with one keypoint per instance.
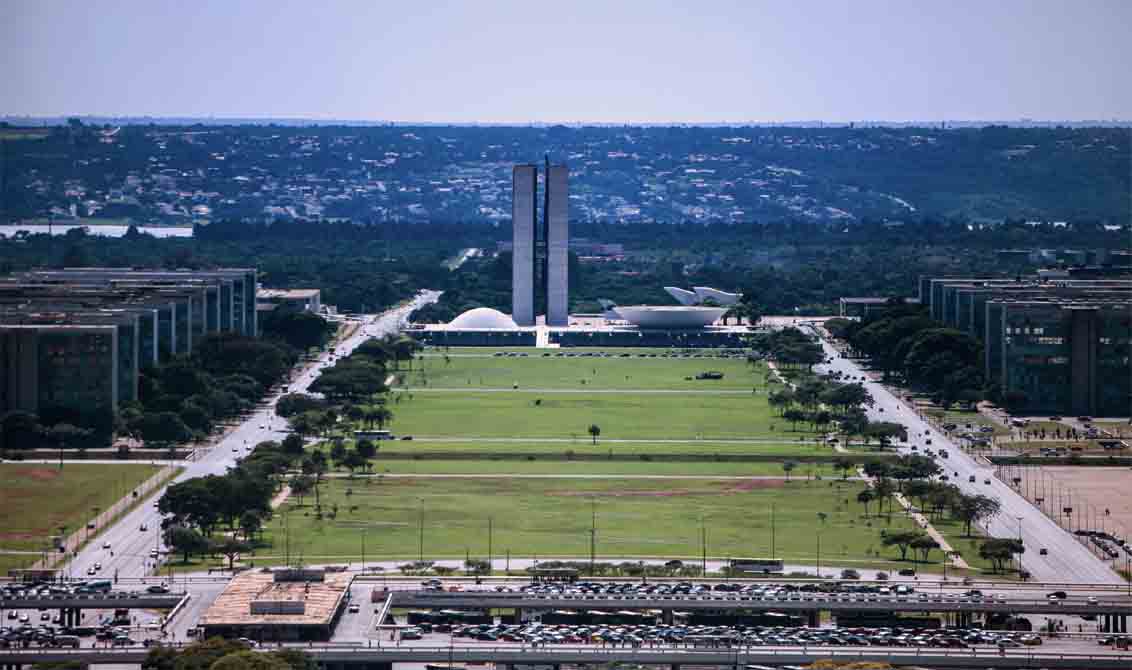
x,y
631,62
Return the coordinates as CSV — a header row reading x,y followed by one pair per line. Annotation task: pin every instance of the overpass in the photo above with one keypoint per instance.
x,y
355,656
69,604
111,600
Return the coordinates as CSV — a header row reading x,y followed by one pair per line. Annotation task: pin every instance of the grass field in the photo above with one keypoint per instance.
x,y
551,517
583,447
974,418
480,467
565,415
37,499
482,370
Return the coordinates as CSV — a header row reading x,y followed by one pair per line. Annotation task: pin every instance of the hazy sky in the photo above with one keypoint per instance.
x,y
570,60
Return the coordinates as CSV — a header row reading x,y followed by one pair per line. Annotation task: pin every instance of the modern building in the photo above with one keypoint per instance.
x,y
543,252
703,295
289,299
524,179
557,245
77,339
281,605
1052,346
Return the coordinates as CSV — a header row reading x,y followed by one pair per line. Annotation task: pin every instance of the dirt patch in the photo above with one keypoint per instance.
x,y
42,474
754,484
1100,489
626,493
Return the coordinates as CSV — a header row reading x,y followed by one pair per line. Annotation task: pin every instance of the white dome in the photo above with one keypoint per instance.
x,y
483,318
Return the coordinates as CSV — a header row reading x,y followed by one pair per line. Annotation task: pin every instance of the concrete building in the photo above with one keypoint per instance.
x,y
524,179
77,339
557,246
1051,346
289,299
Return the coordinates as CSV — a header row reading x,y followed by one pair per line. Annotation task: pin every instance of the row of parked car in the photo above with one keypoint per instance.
x,y
699,589
1107,543
741,636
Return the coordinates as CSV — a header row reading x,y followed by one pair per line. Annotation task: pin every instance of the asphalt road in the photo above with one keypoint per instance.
x,y
129,553
1067,560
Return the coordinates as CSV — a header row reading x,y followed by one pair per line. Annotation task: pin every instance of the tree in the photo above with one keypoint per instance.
x,y
230,548
367,448
883,489
844,464
972,509
1000,551
794,415
353,460
924,545
301,486
250,524
865,496
19,430
788,467
250,660
63,434
293,445
594,430
338,452
186,541
902,540
380,415
163,428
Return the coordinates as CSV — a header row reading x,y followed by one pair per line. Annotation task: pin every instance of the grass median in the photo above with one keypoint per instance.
x,y
37,499
552,517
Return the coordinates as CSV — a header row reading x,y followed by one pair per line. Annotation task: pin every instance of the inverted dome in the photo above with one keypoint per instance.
x,y
483,318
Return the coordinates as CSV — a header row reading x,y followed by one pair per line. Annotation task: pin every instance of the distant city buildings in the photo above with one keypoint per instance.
x,y
77,339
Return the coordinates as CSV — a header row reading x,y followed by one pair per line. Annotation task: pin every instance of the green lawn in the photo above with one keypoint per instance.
x,y
802,470
482,370
551,517
565,415
583,447
37,499
963,418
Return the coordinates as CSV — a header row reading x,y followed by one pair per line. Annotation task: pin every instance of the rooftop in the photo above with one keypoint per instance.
x,y
312,603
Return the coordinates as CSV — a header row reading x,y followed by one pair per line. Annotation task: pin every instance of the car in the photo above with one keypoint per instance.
x,y
987,482
1043,551
415,634
972,479
1092,600
1059,595
97,566
1055,418
143,528
90,570
157,588
105,545
354,608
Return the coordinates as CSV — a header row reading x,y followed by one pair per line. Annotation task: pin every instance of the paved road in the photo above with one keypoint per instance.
x,y
130,547
1067,559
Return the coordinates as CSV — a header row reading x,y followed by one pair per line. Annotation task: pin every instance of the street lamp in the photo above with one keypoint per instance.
x,y
420,526
1020,545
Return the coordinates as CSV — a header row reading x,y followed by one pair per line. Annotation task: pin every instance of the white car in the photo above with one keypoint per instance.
x,y
105,545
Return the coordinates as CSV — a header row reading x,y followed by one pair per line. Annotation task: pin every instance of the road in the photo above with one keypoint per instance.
x,y
1066,561
129,549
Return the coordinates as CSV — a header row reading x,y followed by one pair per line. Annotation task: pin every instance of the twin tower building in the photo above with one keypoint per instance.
x,y
539,255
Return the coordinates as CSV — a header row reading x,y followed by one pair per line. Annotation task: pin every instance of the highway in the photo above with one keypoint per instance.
x,y
130,547
1067,559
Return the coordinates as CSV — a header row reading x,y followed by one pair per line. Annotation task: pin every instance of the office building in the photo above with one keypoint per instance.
x,y
557,246
1051,346
78,339
524,179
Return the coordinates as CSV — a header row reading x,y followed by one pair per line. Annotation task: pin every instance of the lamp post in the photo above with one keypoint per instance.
x,y
420,528
1020,545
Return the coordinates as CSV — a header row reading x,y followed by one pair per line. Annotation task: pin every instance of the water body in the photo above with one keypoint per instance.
x,y
105,231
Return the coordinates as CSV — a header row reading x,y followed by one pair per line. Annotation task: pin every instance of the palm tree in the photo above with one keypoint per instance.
x,y
788,467
865,497
594,430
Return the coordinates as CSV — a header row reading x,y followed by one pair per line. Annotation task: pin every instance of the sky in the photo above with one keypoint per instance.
x,y
651,61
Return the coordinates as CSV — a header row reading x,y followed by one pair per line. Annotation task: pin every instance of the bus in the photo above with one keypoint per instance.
x,y
762,566
96,586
